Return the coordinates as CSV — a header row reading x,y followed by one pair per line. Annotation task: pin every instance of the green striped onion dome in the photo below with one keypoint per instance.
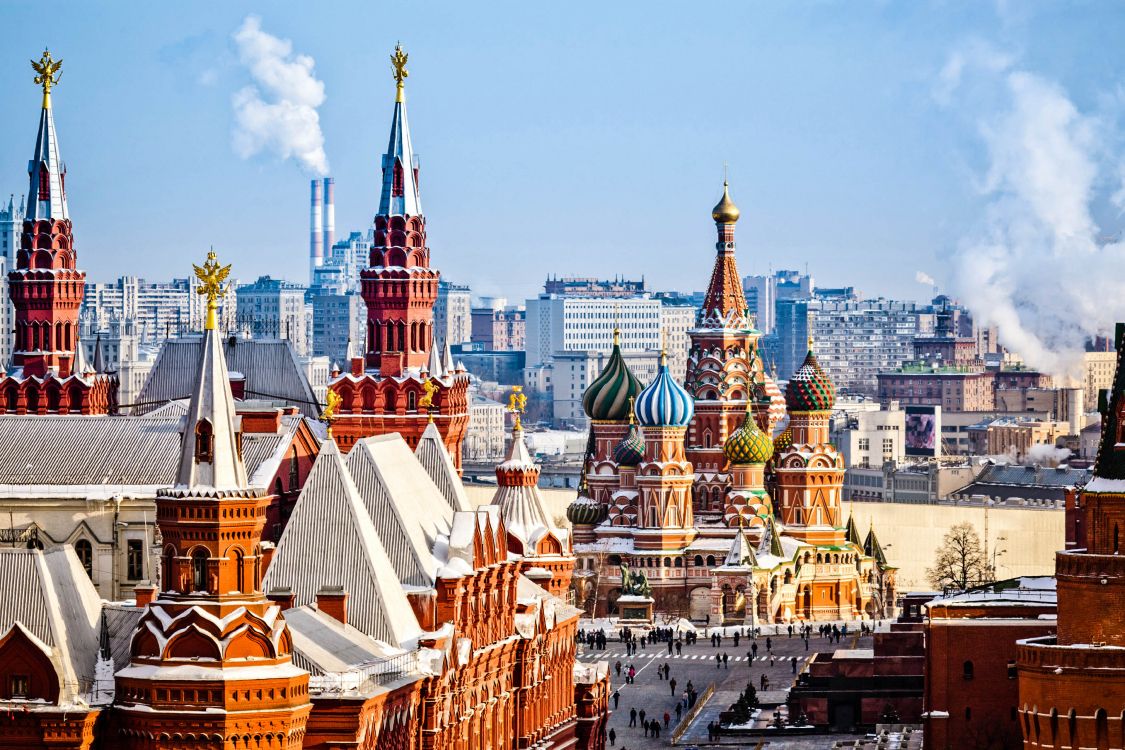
x,y
631,450
748,444
607,398
809,388
586,512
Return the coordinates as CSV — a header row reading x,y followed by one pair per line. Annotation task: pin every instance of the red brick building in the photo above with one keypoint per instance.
x,y
1072,685
972,694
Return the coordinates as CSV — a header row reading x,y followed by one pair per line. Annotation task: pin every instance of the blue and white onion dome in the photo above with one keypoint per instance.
x,y
664,403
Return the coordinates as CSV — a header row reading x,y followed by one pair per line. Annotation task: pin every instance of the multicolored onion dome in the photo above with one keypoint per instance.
x,y
776,398
631,450
748,444
810,389
607,398
783,441
586,512
664,403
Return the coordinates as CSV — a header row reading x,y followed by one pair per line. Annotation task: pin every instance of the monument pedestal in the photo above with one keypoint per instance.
x,y
635,610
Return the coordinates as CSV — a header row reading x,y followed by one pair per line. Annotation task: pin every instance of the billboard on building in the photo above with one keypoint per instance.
x,y
923,430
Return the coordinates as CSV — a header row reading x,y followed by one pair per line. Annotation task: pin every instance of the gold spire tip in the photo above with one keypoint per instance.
x,y
49,72
398,62
810,343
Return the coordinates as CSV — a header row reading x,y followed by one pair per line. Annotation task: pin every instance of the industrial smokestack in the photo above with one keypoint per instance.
x,y
329,215
316,253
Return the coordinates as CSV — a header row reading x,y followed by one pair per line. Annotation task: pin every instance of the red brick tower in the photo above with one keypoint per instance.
x,y
1072,687
723,368
388,389
46,288
210,662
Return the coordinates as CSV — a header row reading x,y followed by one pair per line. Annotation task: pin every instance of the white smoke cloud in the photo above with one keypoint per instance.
x,y
924,278
277,112
1045,455
1036,269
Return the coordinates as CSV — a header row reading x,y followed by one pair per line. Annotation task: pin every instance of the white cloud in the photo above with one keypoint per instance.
x,y
278,113
1035,268
924,278
974,55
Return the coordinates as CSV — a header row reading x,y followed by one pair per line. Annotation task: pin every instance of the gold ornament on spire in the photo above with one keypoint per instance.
x,y
49,75
398,62
332,403
517,404
810,343
211,277
427,400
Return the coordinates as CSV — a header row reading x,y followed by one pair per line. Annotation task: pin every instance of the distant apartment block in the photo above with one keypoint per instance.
x,y
453,322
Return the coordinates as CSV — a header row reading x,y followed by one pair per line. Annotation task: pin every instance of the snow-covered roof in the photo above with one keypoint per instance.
x,y
330,540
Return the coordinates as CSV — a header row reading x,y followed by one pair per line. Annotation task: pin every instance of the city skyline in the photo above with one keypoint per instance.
x,y
874,130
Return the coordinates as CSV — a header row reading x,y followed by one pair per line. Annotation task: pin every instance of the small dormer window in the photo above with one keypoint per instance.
x,y
204,442
397,184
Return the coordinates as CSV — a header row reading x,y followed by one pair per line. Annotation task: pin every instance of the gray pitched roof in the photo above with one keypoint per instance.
x,y
323,644
409,511
269,365
74,452
435,459
331,541
50,596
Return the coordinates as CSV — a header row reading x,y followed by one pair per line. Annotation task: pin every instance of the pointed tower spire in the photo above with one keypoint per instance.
x,y
725,303
852,534
211,454
741,552
46,195
400,167
99,356
447,360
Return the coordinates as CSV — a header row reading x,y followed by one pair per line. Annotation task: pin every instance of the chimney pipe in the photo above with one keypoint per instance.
x,y
333,601
329,215
316,209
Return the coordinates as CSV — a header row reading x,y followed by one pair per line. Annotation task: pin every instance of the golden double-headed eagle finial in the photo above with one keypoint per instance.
x,y
398,62
211,277
49,73
517,404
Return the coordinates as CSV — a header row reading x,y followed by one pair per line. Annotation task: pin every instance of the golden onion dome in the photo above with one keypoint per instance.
x,y
725,212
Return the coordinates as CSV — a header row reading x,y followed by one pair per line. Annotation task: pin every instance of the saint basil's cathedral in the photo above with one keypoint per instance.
x,y
723,492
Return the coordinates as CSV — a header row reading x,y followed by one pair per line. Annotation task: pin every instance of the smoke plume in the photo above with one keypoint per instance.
x,y
277,113
1035,268
924,278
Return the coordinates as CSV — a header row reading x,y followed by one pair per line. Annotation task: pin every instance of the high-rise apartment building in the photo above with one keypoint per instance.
x,y
764,292
274,309
453,323
337,319
856,339
500,329
158,310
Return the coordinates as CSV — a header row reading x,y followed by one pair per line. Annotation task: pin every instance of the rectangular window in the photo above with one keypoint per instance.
x,y
864,444
18,685
888,445
135,562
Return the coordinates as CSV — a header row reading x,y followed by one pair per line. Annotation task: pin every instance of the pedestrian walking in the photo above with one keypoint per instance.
x,y
718,661
642,715
617,667
667,718
754,649
679,711
794,662
633,717
763,681
679,648
612,737
673,684
769,644
736,639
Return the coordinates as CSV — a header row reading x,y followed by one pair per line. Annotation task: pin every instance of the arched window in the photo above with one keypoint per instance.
x,y
411,401
239,569
166,568
679,562
710,561
204,442
199,570
667,562
389,402
32,400
85,553
698,562
12,398
968,670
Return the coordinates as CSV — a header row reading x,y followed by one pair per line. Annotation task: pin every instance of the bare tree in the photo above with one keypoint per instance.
x,y
960,561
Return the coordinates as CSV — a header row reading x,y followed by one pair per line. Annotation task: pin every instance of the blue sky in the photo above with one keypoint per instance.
x,y
570,138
